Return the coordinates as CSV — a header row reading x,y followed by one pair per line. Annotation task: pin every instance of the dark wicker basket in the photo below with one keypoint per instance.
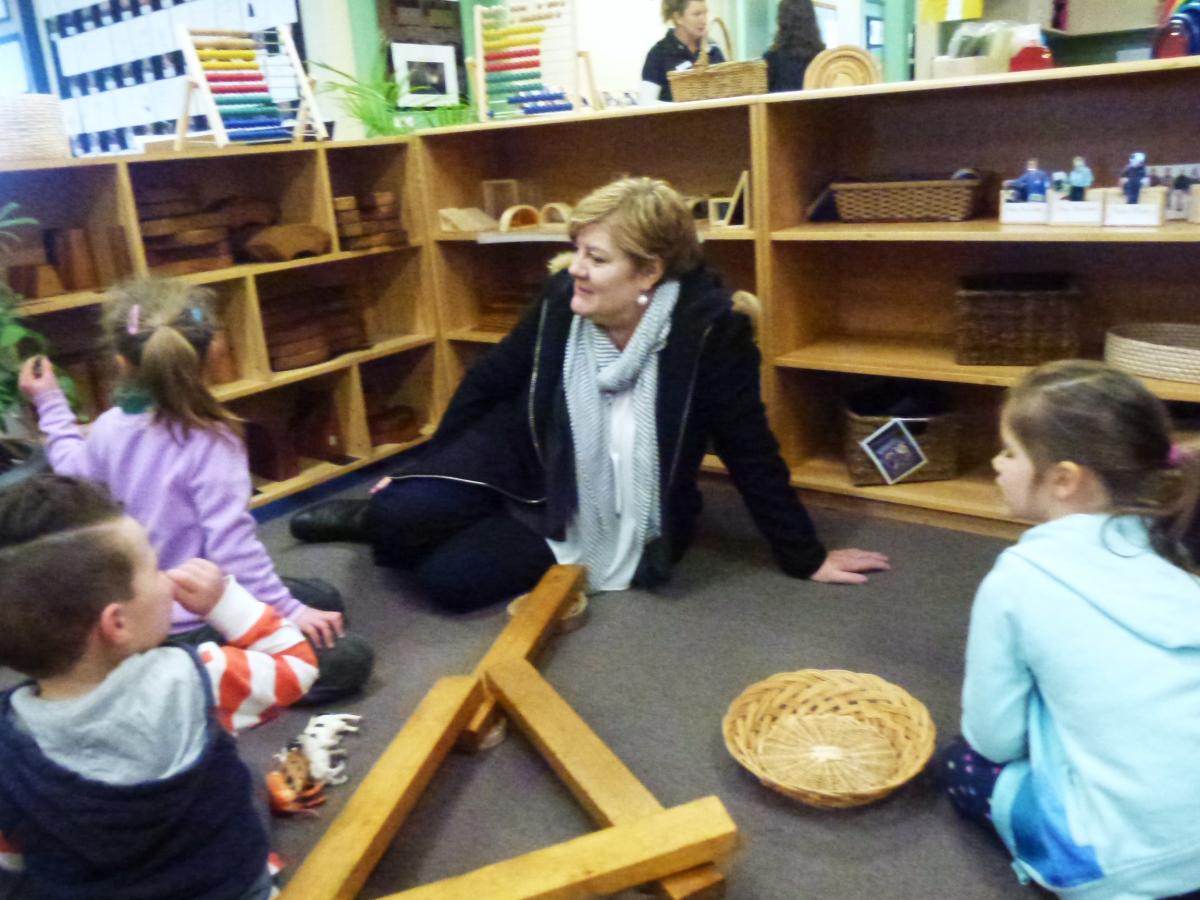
x,y
926,415
1016,320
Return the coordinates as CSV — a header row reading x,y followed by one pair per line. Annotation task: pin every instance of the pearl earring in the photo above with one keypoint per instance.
x,y
643,300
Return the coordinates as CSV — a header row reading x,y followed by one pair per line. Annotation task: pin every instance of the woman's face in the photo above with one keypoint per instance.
x,y
607,280
693,21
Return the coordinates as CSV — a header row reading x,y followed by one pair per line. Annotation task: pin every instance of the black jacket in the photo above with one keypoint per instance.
x,y
785,71
507,427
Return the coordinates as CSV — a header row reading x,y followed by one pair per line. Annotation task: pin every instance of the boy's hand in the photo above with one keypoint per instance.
x,y
199,585
37,377
319,626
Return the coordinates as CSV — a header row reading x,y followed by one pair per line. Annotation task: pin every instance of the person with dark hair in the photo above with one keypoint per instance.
x,y
679,49
579,438
174,456
121,777
1079,706
797,41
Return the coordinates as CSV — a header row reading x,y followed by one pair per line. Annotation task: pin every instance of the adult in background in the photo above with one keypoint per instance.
x,y
579,438
797,41
679,49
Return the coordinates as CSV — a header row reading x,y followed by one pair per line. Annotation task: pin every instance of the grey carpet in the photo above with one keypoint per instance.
x,y
653,673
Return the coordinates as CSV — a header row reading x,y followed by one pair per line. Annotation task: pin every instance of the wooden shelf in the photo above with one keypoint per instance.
x,y
900,357
973,494
727,234
472,336
985,230
316,472
59,302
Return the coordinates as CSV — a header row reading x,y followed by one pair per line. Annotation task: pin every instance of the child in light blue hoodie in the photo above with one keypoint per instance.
x,y
1081,704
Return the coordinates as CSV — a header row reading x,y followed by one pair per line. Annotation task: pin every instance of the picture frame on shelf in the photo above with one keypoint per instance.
x,y
427,73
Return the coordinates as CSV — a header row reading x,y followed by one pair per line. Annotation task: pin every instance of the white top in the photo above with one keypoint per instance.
x,y
626,554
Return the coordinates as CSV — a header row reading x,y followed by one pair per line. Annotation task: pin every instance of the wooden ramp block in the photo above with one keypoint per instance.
x,y
599,780
341,862
522,637
598,864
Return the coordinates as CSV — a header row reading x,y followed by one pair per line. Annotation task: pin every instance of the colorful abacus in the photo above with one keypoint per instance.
x,y
510,45
225,71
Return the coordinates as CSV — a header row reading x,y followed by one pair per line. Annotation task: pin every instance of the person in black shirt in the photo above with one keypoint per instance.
x,y
679,48
797,41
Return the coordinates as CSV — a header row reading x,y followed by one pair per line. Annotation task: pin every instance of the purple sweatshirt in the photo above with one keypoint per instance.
x,y
192,495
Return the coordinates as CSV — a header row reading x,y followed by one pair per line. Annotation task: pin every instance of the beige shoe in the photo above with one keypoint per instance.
x,y
574,616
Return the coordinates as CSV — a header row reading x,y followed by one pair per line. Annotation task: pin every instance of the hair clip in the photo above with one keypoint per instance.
x,y
197,314
134,323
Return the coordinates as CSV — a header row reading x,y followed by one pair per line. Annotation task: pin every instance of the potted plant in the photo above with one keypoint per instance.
x,y
19,457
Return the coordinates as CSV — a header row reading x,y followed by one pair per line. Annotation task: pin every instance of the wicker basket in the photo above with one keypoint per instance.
x,y
727,79
829,737
1016,320
33,128
937,431
1155,349
926,200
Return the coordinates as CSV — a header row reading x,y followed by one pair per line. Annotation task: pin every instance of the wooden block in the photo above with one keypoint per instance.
x,y
119,251
471,219
357,229
70,252
281,243
36,281
219,250
397,425
516,217
344,203
194,237
168,209
367,215
383,239
299,360
376,199
188,266
270,450
523,637
302,329
599,864
499,194
340,864
240,212
296,348
601,783
220,367
172,224
315,428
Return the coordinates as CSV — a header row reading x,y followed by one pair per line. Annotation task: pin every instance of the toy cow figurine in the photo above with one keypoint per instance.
x,y
321,741
308,763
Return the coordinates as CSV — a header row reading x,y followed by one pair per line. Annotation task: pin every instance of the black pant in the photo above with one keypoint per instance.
x,y
342,669
459,541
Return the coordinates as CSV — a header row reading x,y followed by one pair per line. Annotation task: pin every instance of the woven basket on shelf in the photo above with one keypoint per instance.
x,y
1016,320
33,128
926,200
727,79
829,737
938,436
1155,349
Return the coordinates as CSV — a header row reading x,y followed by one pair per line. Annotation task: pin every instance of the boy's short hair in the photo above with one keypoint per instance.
x,y
61,563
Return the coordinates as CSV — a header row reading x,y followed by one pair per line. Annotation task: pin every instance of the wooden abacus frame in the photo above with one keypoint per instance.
x,y
639,842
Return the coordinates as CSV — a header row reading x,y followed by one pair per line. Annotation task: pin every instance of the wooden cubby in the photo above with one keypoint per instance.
x,y
388,288
841,302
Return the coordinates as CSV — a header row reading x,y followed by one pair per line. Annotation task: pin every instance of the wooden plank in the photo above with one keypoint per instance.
x,y
599,780
343,859
599,864
521,639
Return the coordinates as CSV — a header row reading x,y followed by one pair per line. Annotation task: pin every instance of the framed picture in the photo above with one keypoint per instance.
x,y
427,74
894,450
874,33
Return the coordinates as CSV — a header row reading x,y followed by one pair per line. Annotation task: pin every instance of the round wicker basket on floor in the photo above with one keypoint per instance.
x,y
828,737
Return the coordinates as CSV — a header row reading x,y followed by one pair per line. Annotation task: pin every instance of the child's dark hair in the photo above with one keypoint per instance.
x,y
797,32
1107,421
163,328
61,562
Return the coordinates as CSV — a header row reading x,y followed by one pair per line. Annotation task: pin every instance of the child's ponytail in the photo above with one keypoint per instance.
x,y
163,330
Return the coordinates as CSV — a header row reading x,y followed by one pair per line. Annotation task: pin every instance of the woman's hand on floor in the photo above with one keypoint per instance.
x,y
320,626
847,566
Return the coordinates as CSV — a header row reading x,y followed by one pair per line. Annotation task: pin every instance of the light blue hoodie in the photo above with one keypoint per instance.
x,y
1083,674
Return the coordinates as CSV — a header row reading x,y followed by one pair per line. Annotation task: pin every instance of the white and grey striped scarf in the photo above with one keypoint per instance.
x,y
593,369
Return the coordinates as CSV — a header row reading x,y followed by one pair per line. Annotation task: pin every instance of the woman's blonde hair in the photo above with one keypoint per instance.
x,y
672,8
648,220
163,329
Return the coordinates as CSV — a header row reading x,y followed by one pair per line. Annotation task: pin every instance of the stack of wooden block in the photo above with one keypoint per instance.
x,y
180,237
369,220
306,329
388,421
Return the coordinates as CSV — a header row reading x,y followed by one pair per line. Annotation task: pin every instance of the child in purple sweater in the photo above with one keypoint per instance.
x,y
173,456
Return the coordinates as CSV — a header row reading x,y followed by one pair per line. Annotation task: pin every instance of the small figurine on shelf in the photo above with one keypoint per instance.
x,y
1030,187
1133,177
1080,179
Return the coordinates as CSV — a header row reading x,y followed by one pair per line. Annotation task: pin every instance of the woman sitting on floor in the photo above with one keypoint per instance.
x,y
579,438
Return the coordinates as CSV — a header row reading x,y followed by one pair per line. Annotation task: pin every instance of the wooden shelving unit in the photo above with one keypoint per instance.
x,y
390,286
842,303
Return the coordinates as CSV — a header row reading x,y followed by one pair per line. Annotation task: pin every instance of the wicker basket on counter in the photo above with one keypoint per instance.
x,y
33,128
1168,350
930,422
728,79
921,200
1016,320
